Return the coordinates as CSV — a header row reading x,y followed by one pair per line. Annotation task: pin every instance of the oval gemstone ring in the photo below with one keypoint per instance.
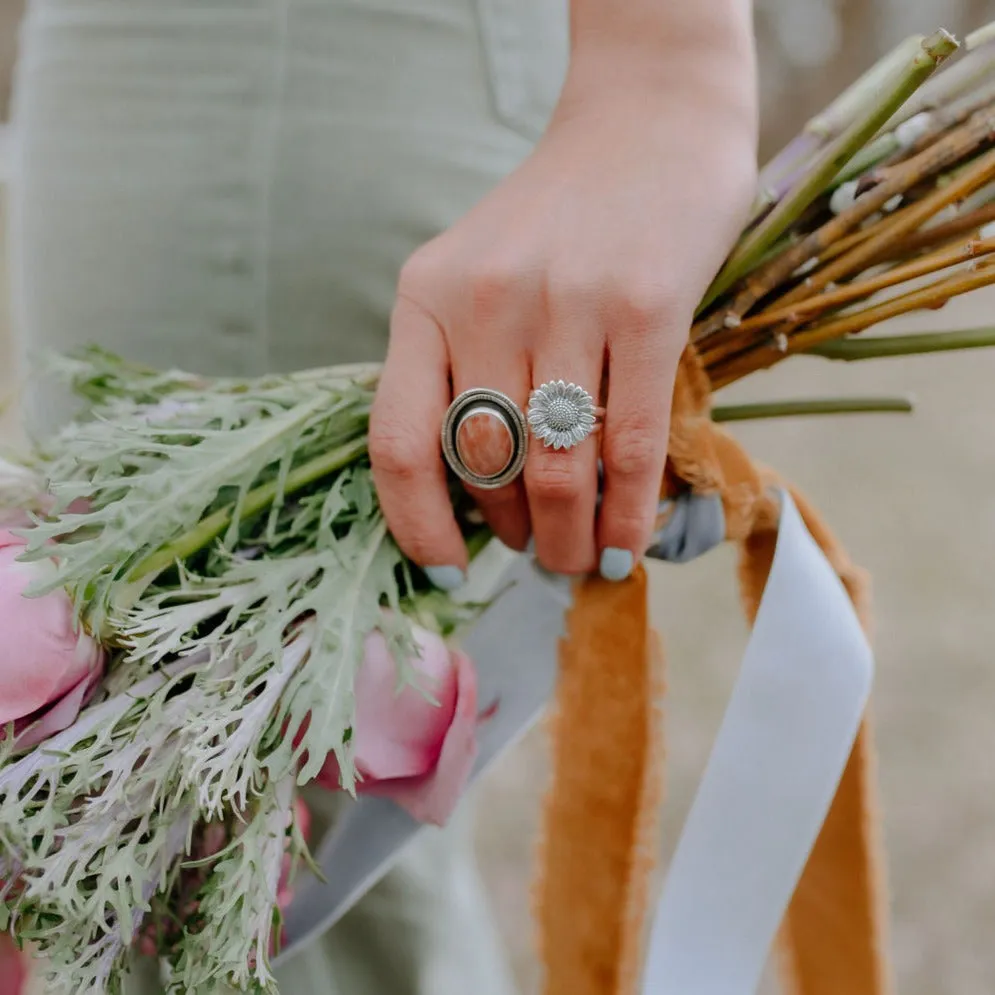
x,y
562,415
485,438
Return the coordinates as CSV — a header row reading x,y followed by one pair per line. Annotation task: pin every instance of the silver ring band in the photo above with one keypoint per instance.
x,y
562,415
485,438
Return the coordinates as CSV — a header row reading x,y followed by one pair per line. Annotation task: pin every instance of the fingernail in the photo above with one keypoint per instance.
x,y
616,564
445,578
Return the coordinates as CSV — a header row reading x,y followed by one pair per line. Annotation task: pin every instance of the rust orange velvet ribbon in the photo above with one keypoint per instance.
x,y
593,891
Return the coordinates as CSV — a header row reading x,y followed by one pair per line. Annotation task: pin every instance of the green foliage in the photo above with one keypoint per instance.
x,y
225,538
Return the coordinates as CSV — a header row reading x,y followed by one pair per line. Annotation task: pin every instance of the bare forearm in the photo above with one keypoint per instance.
x,y
655,27
703,48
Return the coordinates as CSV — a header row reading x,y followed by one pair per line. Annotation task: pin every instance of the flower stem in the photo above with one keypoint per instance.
x,y
850,350
814,406
256,500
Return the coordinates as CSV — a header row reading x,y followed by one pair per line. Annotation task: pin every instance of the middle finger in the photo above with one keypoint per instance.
x,y
562,484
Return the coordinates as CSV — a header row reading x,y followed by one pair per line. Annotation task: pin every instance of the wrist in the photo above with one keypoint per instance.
x,y
655,30
699,55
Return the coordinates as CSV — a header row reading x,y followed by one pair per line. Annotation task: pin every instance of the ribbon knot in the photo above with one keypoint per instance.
x,y
692,524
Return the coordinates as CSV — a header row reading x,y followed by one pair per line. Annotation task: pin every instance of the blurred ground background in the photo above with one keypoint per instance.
x,y
912,497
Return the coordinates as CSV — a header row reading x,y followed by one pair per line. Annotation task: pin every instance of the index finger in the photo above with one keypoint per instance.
x,y
405,451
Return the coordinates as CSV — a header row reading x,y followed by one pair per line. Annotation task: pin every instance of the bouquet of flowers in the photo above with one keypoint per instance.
x,y
203,609
240,608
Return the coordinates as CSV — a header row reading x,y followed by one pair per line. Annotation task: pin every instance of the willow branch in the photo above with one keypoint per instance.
x,y
830,161
951,115
766,352
778,175
949,150
861,289
910,219
967,223
956,79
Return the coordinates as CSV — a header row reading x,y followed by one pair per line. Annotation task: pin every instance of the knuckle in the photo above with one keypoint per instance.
x,y
567,563
625,301
571,288
633,449
644,305
396,451
630,528
555,480
566,547
494,283
489,290
422,272
497,500
414,543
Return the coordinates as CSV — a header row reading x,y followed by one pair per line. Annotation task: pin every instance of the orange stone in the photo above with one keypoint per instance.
x,y
484,442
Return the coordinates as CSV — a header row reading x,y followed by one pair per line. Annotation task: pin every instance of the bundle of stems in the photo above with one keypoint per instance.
x,y
883,205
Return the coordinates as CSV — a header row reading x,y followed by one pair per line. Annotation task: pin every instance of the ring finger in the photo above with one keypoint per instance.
x,y
485,444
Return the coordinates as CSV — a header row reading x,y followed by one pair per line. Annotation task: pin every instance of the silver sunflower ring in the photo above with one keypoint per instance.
x,y
562,415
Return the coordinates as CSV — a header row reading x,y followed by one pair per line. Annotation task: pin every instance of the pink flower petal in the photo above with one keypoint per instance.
x,y
14,520
417,752
13,968
43,658
399,733
433,797
60,714
7,538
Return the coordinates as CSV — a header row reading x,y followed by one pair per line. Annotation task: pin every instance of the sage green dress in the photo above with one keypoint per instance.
x,y
231,186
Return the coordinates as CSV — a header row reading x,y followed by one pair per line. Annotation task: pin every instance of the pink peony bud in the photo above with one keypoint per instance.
x,y
414,750
47,668
13,968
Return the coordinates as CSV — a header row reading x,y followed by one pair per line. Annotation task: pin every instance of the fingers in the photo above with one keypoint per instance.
x,y
408,469
512,334
642,365
500,306
562,484
505,509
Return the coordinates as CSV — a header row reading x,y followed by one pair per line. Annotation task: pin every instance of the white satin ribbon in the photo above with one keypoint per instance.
x,y
781,749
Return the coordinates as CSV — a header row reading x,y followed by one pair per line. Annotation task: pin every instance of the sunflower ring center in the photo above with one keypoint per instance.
x,y
563,414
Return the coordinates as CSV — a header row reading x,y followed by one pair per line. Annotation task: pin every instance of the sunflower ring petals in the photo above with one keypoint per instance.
x,y
562,415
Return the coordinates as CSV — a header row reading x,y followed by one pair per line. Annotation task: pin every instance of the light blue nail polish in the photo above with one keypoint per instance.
x,y
616,564
445,578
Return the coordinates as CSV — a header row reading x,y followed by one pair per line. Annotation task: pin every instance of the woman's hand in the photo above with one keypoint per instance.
x,y
588,260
